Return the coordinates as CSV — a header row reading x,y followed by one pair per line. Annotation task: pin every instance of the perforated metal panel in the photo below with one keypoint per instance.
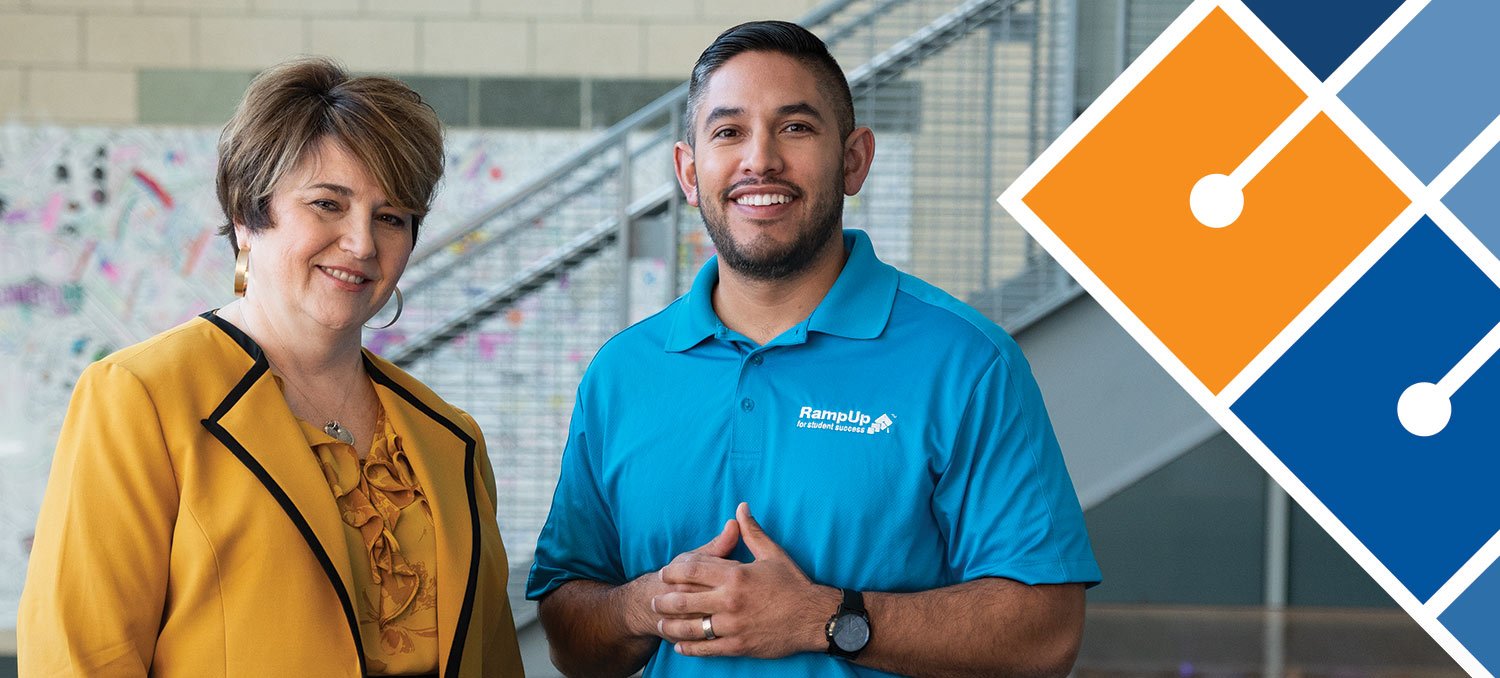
x,y
508,309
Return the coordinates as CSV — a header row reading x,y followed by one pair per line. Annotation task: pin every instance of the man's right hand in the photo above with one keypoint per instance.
x,y
642,617
597,629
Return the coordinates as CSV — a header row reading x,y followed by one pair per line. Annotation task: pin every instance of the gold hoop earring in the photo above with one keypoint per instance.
x,y
400,305
241,271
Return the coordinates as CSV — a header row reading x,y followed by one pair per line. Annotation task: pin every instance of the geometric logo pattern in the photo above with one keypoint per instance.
x,y
1293,207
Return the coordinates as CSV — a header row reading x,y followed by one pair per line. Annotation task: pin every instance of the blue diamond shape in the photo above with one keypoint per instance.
x,y
1327,409
1431,90
1476,202
1471,618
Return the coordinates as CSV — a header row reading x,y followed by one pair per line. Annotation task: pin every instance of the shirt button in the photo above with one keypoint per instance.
x,y
747,404
756,359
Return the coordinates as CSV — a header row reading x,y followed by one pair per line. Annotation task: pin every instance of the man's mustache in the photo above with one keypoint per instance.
x,y
744,183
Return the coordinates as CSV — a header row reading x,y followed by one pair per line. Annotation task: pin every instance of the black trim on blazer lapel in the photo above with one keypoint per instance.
x,y
234,333
222,434
466,611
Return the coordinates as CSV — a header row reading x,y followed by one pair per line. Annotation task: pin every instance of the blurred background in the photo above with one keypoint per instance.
x,y
558,223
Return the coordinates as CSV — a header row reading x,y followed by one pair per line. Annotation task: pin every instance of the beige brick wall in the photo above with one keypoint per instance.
x,y
433,8
731,13
603,10
306,7
74,96
81,4
114,40
522,9
386,45
105,43
40,39
241,43
475,47
581,47
10,90
671,48
201,6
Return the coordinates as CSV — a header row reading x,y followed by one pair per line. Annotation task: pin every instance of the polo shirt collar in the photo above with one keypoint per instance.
x,y
694,320
858,306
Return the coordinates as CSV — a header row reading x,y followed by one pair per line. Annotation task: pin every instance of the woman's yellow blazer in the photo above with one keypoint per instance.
x,y
188,531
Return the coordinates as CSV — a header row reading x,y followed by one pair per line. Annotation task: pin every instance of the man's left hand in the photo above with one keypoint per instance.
x,y
766,608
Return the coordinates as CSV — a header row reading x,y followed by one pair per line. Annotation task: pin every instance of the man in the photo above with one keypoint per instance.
x,y
914,512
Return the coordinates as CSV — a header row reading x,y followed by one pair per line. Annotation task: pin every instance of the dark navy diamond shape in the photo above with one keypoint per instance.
x,y
1323,33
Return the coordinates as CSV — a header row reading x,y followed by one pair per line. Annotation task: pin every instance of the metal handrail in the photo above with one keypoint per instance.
x,y
931,39
578,249
609,157
607,139
869,16
598,177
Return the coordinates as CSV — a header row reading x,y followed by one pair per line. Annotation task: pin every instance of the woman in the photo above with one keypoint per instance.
x,y
252,494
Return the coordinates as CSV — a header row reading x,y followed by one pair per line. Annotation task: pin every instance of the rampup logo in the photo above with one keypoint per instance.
x,y
848,421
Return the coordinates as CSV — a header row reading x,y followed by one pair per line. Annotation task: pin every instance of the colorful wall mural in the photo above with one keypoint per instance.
x,y
107,237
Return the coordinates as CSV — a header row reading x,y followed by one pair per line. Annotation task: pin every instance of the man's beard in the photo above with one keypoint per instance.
x,y
761,260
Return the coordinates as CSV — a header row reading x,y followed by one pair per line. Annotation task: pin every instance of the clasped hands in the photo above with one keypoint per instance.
x,y
767,608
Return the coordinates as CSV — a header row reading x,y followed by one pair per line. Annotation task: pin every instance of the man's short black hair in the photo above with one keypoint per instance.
x,y
780,37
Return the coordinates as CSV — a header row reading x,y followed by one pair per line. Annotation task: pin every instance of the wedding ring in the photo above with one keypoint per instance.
x,y
708,628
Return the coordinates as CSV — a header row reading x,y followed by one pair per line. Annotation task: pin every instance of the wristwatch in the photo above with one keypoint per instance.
x,y
849,629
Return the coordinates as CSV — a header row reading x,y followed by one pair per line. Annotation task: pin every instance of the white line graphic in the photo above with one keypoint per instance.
x,y
1218,199
1424,407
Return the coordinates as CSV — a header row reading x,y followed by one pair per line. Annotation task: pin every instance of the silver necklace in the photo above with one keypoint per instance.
x,y
337,430
332,427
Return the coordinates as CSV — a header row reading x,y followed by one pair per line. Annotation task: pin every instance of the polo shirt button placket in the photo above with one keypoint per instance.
x,y
749,426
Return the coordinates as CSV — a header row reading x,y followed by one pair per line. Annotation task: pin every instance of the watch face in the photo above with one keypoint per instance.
x,y
851,632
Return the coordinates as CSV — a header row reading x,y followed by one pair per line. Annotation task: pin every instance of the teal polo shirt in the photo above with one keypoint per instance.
x,y
895,441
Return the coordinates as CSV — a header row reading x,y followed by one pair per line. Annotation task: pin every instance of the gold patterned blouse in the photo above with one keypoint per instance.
x,y
388,525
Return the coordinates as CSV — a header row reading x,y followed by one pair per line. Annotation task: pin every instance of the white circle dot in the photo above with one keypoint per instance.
x,y
1424,409
1216,201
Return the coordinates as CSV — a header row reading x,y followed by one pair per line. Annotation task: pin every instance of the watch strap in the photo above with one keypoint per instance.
x,y
854,601
852,605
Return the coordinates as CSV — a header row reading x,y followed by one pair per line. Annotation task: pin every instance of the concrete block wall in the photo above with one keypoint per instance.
x,y
94,61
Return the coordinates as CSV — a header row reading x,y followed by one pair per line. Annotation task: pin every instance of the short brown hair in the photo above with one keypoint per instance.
x,y
291,108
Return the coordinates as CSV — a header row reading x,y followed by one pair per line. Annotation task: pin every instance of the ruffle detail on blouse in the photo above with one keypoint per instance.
x,y
371,495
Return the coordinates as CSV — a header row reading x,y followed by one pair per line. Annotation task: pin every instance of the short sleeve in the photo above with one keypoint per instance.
x,y
1004,500
97,579
579,540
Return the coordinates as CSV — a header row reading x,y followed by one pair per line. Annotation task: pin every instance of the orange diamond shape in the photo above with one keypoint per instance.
x,y
1214,297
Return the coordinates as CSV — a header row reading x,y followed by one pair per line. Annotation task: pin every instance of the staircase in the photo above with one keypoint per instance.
x,y
505,311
